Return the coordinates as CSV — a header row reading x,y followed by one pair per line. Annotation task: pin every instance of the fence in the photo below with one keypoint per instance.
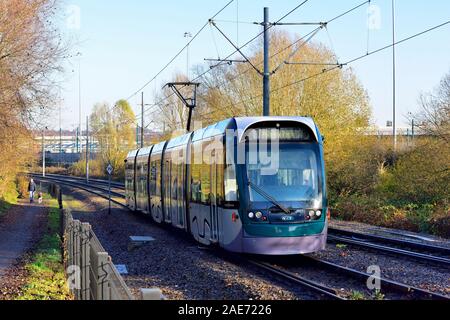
x,y
90,271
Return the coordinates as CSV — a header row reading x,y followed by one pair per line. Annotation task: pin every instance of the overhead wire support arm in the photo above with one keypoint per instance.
x,y
298,23
229,61
315,64
189,102
307,40
235,47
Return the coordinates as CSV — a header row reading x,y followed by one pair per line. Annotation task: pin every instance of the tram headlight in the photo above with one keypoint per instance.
x,y
259,215
312,213
318,213
251,215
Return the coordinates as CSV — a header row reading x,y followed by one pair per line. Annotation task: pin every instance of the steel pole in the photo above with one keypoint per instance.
x,y
43,153
142,122
137,135
87,149
109,193
79,106
60,137
394,124
266,78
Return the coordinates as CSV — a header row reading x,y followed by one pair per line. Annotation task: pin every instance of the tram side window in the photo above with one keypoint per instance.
x,y
196,183
144,178
206,177
174,181
196,177
220,184
157,172
231,191
152,175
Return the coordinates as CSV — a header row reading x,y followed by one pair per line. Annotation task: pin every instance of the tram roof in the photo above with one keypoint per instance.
x,y
212,130
158,147
244,123
132,154
219,128
145,151
179,141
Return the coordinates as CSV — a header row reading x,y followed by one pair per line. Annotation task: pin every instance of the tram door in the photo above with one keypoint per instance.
x,y
180,190
214,210
167,191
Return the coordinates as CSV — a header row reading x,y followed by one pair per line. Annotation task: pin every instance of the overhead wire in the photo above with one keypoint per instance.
x,y
343,64
239,48
179,52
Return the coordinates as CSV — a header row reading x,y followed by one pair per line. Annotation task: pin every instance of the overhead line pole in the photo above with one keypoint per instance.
x,y
394,124
87,149
266,77
79,109
60,137
142,121
43,152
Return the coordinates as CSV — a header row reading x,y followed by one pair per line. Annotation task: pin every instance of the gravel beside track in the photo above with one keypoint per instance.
x,y
422,275
392,233
175,263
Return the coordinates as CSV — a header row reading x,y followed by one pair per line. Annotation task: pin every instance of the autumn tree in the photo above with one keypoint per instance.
x,y
335,99
31,52
114,129
422,174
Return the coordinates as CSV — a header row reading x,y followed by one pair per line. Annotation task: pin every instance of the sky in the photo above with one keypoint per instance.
x,y
125,43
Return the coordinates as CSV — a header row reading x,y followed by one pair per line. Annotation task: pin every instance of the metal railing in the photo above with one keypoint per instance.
x,y
96,276
89,268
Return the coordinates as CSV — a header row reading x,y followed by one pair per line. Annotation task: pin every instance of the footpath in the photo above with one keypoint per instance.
x,y
20,228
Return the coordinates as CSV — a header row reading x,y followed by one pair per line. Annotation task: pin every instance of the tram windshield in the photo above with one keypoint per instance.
x,y
289,174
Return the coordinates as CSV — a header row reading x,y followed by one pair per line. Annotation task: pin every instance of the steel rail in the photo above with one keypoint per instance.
x,y
402,252
81,184
314,286
117,185
385,283
390,240
85,188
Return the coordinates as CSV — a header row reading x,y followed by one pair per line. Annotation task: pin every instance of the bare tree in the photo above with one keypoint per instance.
x,y
434,117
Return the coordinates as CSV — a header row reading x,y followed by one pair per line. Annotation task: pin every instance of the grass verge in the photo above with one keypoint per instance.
x,y
4,207
8,199
46,279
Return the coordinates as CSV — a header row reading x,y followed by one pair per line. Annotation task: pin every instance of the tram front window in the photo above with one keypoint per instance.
x,y
293,178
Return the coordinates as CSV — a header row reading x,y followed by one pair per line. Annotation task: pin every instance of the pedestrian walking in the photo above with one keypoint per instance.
x,y
32,190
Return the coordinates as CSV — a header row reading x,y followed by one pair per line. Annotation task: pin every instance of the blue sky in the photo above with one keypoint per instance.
x,y
124,44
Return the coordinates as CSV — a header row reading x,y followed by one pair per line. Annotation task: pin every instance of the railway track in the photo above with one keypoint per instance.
x,y
411,249
388,287
115,184
98,187
419,251
94,189
318,288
